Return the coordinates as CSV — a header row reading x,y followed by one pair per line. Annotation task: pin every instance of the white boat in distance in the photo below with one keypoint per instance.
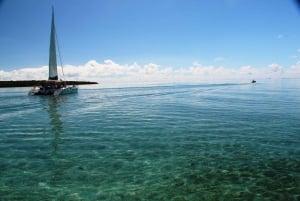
x,y
52,86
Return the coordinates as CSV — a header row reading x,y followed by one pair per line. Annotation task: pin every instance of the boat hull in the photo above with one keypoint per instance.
x,y
66,90
46,91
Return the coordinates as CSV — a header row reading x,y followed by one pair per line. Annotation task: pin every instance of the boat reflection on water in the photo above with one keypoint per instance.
x,y
56,129
55,120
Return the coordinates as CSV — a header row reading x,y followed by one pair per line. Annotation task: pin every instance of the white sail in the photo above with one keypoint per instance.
x,y
52,52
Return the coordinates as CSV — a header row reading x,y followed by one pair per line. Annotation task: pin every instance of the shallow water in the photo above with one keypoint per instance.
x,y
183,142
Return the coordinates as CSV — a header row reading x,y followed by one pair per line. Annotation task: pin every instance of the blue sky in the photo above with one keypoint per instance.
x,y
175,33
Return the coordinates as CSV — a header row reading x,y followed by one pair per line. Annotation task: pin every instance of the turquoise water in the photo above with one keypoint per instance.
x,y
185,142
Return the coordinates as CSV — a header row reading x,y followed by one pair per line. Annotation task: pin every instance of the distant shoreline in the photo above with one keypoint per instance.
x,y
30,83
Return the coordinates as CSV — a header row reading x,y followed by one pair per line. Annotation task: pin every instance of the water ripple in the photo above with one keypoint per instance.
x,y
185,142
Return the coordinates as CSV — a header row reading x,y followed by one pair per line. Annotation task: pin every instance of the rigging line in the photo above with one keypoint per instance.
x,y
59,54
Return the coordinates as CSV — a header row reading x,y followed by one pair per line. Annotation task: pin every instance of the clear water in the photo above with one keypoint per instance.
x,y
186,142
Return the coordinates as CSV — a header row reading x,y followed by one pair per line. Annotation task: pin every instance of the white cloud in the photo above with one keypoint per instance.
x,y
294,71
110,74
275,68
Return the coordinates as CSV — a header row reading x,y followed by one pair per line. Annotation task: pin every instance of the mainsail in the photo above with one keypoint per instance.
x,y
52,52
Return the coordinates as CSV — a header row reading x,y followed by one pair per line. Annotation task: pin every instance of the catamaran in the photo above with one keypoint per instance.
x,y
53,86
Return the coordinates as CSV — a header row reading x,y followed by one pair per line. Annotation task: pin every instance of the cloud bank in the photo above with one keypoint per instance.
x,y
112,74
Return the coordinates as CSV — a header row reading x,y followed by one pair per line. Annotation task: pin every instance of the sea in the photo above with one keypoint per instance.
x,y
208,141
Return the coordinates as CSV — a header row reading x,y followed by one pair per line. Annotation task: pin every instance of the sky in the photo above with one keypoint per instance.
x,y
152,41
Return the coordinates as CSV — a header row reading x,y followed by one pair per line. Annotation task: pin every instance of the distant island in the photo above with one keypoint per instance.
x,y
30,83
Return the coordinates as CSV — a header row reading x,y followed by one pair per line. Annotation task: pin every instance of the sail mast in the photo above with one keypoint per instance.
x,y
52,52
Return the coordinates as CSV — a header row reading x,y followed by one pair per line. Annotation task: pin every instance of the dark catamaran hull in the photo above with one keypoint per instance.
x,y
52,90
